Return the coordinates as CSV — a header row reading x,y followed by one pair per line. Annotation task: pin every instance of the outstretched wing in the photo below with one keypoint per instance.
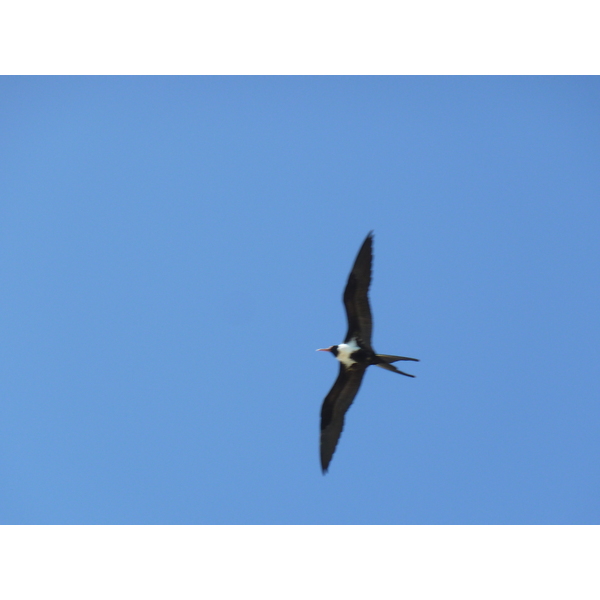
x,y
356,300
334,408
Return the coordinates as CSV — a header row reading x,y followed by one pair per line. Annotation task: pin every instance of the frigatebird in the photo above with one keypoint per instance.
x,y
354,355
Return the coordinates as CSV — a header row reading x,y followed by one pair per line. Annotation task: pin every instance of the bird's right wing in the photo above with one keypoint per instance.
x,y
356,300
334,408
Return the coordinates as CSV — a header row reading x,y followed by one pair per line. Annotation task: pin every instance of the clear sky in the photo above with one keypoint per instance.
x,y
173,251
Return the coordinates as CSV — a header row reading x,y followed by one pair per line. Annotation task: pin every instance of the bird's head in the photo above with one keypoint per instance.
x,y
332,349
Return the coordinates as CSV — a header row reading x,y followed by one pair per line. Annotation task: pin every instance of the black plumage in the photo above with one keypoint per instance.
x,y
355,354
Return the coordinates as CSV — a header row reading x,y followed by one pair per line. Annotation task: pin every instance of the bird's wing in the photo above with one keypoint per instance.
x,y
356,298
334,408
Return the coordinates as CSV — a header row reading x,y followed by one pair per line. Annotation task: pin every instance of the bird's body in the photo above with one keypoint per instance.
x,y
354,355
346,353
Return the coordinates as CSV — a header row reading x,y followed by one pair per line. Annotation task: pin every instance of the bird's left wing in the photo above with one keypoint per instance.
x,y
356,298
334,408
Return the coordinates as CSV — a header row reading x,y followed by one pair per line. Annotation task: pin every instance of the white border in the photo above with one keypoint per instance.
x,y
309,37
300,562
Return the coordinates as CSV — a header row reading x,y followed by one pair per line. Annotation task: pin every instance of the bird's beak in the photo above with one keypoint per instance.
x,y
323,349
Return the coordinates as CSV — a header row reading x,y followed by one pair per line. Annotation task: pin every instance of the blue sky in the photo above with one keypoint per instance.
x,y
173,250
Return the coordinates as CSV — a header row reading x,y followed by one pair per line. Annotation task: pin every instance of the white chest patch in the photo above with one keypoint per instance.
x,y
344,352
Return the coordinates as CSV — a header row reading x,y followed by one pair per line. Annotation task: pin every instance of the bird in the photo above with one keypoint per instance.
x,y
354,355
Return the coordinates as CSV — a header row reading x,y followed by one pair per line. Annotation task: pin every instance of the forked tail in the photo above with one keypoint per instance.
x,y
386,359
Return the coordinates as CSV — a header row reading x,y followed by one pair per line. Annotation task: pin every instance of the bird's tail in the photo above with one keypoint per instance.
x,y
386,359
